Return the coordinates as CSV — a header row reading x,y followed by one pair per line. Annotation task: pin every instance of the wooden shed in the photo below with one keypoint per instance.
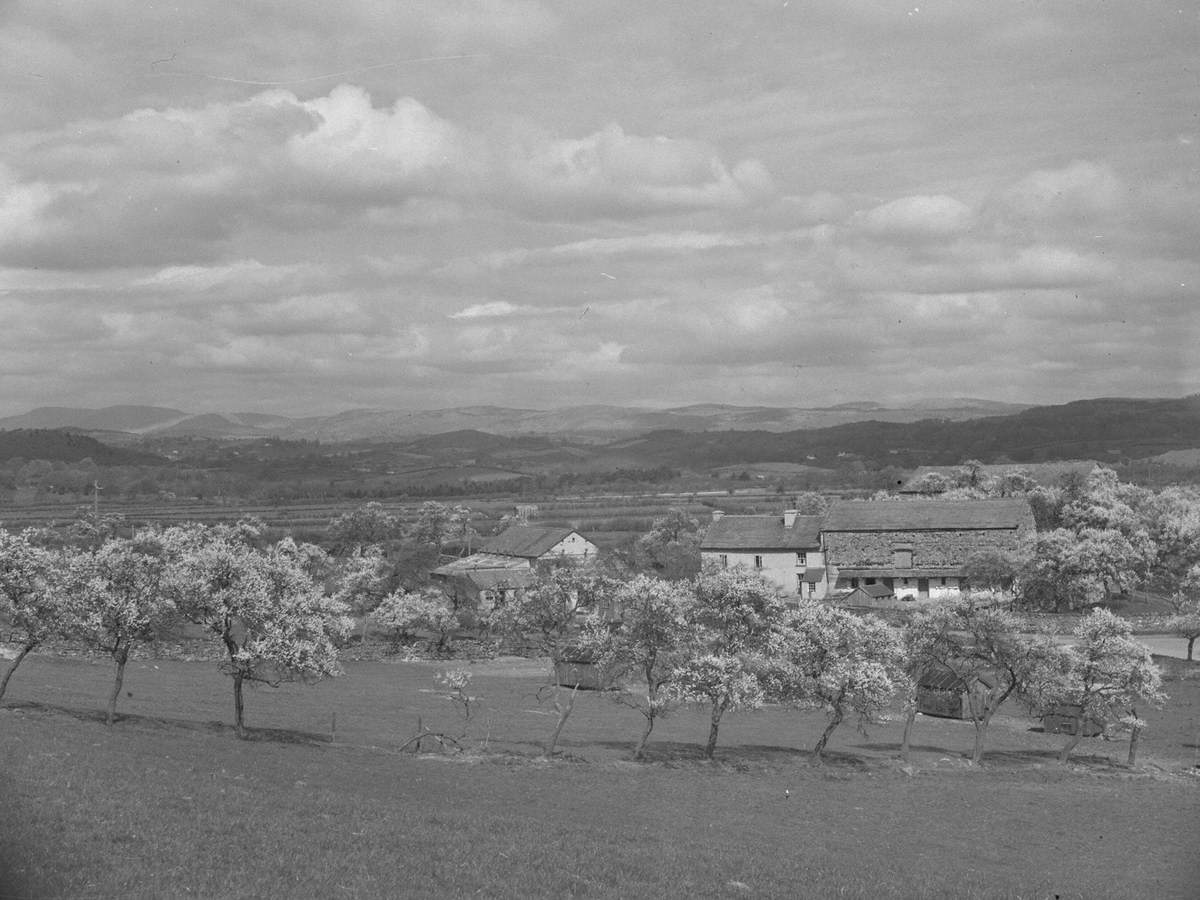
x,y
1068,719
943,692
582,670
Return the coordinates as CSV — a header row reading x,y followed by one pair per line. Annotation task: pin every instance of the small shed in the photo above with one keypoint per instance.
x,y
579,669
943,692
1068,719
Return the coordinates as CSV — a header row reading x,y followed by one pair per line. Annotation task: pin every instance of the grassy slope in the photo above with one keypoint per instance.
x,y
169,804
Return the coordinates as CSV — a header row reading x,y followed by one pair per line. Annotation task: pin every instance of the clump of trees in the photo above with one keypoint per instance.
x,y
265,605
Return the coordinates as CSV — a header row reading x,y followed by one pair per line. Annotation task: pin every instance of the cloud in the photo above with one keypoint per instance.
x,y
372,155
493,310
936,216
176,185
1081,193
612,172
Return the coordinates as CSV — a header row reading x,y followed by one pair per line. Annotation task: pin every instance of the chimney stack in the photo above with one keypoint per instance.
x,y
789,517
716,515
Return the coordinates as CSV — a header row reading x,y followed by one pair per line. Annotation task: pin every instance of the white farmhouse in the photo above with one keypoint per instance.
x,y
783,549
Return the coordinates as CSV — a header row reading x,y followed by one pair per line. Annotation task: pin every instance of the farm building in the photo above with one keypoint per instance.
x,y
507,563
869,596
535,544
783,549
918,548
483,580
943,692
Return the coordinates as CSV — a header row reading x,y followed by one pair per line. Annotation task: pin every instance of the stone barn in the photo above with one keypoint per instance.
x,y
918,549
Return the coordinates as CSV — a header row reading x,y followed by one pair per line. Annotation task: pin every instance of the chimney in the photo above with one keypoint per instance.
x,y
789,517
716,514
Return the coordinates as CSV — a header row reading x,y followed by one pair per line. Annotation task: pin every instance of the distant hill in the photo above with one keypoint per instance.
x,y
1106,429
56,445
595,422
110,418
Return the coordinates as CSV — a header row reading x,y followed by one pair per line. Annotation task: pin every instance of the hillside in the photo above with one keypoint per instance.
x,y
594,422
68,446
1105,429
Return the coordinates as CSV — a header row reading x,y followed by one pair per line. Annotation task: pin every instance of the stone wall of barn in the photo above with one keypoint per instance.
x,y
930,549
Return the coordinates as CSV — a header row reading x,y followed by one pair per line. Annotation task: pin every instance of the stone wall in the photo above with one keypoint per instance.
x,y
930,549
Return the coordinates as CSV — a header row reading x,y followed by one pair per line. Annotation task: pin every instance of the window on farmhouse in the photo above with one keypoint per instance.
x,y
758,562
724,560
802,558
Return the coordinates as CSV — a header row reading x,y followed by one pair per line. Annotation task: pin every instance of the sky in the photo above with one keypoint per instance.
x,y
302,207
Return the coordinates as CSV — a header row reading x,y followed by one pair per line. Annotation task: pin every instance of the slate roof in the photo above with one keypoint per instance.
x,y
927,515
528,541
762,533
481,562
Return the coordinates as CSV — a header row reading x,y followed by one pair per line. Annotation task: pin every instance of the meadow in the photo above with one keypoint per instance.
x,y
322,802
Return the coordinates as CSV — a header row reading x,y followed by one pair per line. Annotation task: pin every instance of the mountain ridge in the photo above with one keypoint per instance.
x,y
594,421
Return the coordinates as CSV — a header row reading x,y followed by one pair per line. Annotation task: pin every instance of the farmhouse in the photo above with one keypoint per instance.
x,y
538,544
783,549
507,563
483,580
918,549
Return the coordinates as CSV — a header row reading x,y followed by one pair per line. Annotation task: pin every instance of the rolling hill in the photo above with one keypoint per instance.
x,y
595,422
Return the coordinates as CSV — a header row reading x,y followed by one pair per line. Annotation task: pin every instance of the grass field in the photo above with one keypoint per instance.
x,y
167,803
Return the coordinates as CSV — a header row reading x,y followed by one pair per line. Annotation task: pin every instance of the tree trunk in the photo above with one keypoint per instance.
x,y
908,724
1064,755
563,712
121,656
25,650
641,744
981,727
834,722
1135,734
717,710
1191,643
239,720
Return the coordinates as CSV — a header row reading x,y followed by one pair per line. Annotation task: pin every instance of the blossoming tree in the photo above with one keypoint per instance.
x,y
34,601
1103,675
645,646
273,621
121,591
735,614
838,662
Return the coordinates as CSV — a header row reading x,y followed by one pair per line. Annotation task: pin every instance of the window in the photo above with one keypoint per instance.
x,y
801,558
758,562
724,560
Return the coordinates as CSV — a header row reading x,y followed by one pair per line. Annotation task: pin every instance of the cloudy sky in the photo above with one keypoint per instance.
x,y
303,207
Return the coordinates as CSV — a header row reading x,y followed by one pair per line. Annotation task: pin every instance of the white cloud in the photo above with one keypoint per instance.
x,y
494,309
936,216
370,150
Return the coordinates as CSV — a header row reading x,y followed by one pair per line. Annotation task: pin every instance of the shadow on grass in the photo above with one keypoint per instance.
x,y
739,757
277,735
894,747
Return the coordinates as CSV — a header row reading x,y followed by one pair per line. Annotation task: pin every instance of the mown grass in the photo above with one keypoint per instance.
x,y
167,803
